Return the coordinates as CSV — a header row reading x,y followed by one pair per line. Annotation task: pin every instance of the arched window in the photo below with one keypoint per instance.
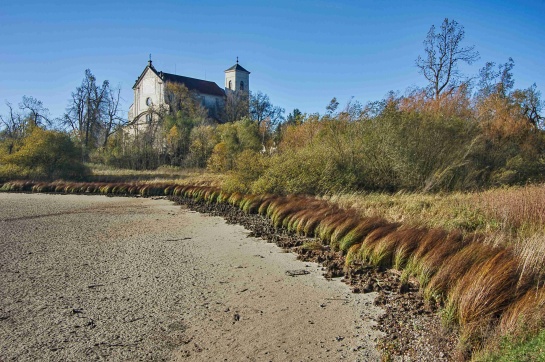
x,y
230,85
241,85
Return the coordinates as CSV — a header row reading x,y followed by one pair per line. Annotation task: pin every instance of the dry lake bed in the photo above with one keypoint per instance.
x,y
85,278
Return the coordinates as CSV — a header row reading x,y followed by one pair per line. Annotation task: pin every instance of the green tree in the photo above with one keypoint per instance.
x,y
234,138
265,114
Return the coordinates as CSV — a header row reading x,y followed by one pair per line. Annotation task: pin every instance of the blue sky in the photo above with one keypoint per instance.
x,y
300,53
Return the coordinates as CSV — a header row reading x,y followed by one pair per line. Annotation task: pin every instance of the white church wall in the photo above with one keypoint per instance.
x,y
150,87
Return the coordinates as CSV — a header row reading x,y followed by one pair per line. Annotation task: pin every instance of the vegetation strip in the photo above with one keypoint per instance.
x,y
483,292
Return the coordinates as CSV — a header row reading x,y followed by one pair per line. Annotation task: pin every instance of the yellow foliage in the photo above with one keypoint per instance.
x,y
218,162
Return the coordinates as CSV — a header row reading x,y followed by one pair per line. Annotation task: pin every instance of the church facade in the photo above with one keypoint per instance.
x,y
149,92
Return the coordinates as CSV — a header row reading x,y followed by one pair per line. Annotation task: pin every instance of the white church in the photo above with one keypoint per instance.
x,y
149,91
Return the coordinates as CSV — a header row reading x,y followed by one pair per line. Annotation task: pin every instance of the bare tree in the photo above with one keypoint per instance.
x,y
38,114
443,52
86,112
113,117
236,106
13,130
530,105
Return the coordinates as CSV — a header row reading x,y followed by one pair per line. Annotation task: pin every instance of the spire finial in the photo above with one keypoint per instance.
x,y
149,61
237,59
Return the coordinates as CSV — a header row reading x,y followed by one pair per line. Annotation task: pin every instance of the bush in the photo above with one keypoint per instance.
x,y
44,155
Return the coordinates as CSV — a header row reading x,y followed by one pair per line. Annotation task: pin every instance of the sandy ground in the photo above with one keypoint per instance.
x,y
129,279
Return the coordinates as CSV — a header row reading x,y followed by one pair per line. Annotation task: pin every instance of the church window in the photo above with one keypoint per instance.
x,y
148,102
241,85
230,85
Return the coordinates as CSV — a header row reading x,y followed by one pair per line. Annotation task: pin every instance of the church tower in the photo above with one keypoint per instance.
x,y
237,78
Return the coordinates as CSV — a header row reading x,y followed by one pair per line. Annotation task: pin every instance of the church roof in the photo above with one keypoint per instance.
x,y
193,84
199,85
237,67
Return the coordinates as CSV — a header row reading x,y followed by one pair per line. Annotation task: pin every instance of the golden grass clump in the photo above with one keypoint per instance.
x,y
273,205
40,187
303,217
525,316
531,253
382,251
454,267
235,198
426,266
483,293
352,255
341,230
358,233
314,219
305,205
223,197
369,242
264,204
250,203
516,207
415,239
285,210
329,223
292,221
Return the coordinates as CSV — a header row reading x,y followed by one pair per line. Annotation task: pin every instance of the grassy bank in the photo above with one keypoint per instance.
x,y
486,274
163,174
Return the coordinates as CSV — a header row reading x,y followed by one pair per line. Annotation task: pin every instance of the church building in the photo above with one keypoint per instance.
x,y
149,91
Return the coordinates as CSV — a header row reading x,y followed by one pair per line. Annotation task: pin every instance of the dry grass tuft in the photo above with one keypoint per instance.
x,y
313,221
516,207
383,251
286,210
429,263
305,216
352,255
531,253
525,316
454,267
341,230
328,224
413,240
360,232
368,244
484,292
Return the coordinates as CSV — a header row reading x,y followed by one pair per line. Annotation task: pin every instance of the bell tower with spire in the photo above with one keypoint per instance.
x,y
237,78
